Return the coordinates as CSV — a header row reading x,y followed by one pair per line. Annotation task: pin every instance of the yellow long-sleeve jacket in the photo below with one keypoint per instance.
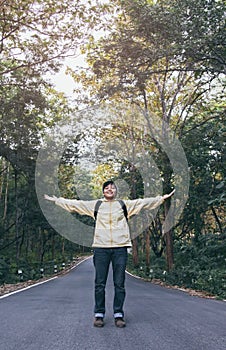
x,y
111,229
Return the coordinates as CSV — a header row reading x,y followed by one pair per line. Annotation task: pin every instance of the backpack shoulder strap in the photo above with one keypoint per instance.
x,y
96,208
124,209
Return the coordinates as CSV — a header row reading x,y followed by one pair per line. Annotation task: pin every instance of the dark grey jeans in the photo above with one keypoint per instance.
x,y
102,259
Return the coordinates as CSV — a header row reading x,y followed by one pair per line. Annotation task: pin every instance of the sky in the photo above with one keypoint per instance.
x,y
64,82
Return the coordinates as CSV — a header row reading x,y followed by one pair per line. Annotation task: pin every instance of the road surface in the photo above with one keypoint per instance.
x,y
58,315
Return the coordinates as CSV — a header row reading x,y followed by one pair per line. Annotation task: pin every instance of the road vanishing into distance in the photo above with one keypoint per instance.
x,y
58,315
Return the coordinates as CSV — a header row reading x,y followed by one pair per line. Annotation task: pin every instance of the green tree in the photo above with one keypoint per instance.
x,y
36,35
34,38
204,146
147,59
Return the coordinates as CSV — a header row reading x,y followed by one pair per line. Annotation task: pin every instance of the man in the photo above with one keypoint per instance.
x,y
110,242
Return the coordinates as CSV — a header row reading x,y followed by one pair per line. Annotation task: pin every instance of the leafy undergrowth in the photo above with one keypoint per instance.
x,y
199,267
12,287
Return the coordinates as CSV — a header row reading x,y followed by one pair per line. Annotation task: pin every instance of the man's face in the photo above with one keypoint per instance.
x,y
110,192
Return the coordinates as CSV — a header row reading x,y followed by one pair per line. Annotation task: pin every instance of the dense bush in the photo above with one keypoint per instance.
x,y
199,264
4,270
10,272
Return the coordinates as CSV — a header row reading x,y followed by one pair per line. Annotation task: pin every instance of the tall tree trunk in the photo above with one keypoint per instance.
x,y
63,247
135,252
217,219
6,193
169,242
2,176
17,218
135,240
147,250
53,246
42,246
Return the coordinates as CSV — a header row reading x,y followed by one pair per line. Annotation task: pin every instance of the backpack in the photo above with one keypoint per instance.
x,y
98,204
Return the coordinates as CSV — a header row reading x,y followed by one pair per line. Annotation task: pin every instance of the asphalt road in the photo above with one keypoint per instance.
x,y
58,315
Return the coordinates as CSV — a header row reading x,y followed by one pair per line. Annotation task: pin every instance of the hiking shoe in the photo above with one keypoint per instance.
x,y
98,322
119,322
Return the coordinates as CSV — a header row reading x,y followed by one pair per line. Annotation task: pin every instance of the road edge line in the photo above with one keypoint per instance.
x,y
28,287
42,282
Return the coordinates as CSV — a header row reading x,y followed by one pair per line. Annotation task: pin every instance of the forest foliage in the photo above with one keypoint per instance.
x,y
159,64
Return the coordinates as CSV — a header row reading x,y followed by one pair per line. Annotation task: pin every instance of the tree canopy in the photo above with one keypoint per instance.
x,y
154,78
